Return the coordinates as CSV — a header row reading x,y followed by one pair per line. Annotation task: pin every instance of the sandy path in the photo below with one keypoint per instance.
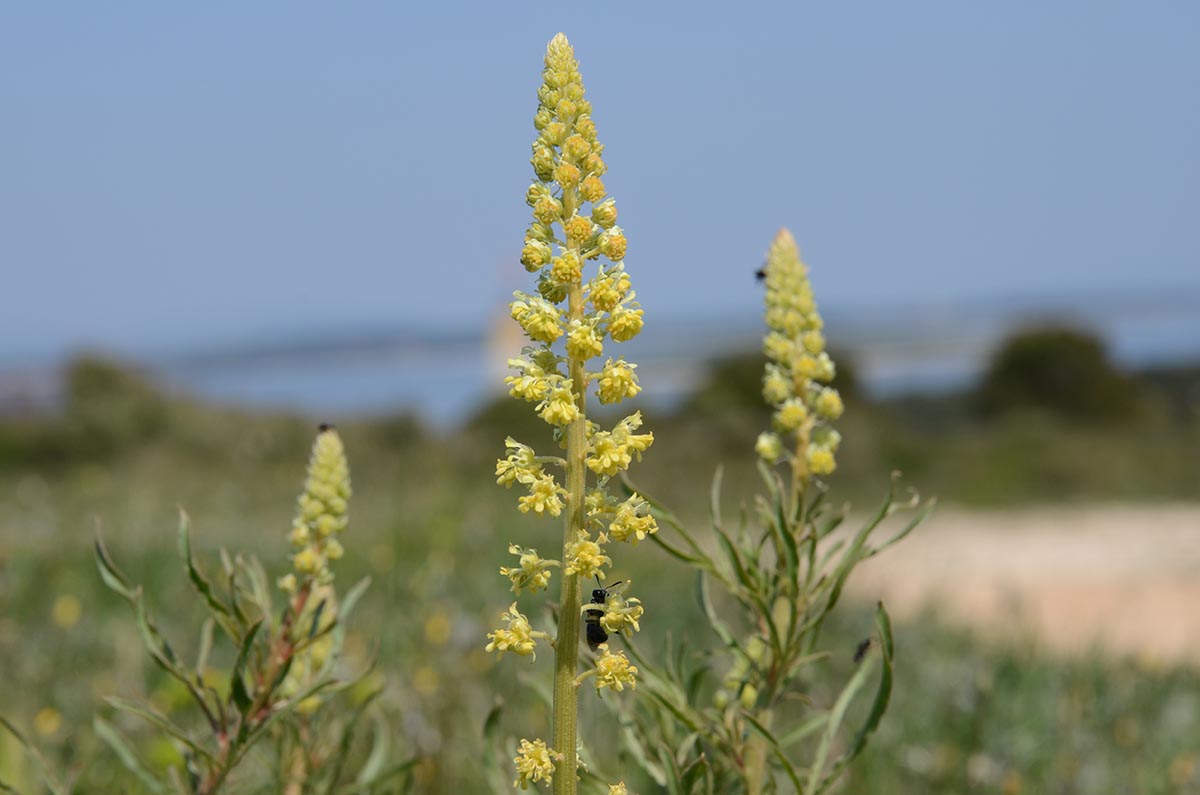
x,y
1126,578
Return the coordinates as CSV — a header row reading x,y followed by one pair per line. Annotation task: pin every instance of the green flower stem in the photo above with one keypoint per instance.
x,y
566,649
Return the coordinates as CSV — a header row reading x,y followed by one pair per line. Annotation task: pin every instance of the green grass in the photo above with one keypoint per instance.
x,y
430,527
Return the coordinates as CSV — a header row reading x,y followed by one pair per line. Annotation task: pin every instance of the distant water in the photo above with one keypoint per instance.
x,y
443,377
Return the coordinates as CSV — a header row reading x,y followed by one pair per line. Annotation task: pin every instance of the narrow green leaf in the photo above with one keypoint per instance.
x,y
160,722
493,760
352,598
878,706
806,728
199,581
836,716
108,733
206,641
773,744
377,758
237,682
109,572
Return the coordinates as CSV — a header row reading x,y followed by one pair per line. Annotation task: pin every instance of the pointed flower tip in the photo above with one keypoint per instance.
x,y
784,238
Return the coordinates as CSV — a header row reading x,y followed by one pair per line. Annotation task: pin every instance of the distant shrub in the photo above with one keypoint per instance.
x,y
110,407
1063,371
735,383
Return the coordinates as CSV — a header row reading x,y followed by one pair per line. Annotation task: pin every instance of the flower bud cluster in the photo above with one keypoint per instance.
x,y
799,371
320,512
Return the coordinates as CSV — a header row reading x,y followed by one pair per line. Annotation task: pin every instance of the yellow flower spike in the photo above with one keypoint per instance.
x,y
535,763
517,637
792,380
614,671
585,557
574,225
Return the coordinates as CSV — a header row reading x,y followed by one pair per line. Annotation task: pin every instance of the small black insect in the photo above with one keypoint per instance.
x,y
596,633
862,649
760,275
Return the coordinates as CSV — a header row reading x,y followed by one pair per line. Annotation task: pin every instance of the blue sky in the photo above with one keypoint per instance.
x,y
174,175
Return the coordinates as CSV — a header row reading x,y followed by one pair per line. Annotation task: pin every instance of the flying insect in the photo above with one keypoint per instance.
x,y
596,634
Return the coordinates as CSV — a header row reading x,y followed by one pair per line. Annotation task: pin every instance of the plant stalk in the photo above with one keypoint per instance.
x,y
566,647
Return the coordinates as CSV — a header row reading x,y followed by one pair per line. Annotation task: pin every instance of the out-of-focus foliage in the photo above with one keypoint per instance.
x,y
1059,370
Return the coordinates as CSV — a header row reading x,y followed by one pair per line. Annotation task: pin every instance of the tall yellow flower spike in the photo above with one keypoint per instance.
x,y
320,511
583,304
796,379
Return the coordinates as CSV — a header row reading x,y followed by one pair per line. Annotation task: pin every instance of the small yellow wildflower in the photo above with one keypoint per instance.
x,y
583,342
545,496
605,213
608,288
829,404
769,447
538,317
617,789
47,722
777,385
791,414
520,466
614,671
308,561
618,381
607,455
535,255
621,614
66,611
632,521
625,323
535,763
559,408
532,573
585,557
612,244
567,269
820,460
518,637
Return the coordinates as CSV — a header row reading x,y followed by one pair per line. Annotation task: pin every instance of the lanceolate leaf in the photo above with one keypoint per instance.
x,y
198,579
879,706
161,722
106,732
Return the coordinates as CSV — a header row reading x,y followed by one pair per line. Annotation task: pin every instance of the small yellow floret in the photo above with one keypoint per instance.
x,y
614,670
535,763
585,557
517,637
